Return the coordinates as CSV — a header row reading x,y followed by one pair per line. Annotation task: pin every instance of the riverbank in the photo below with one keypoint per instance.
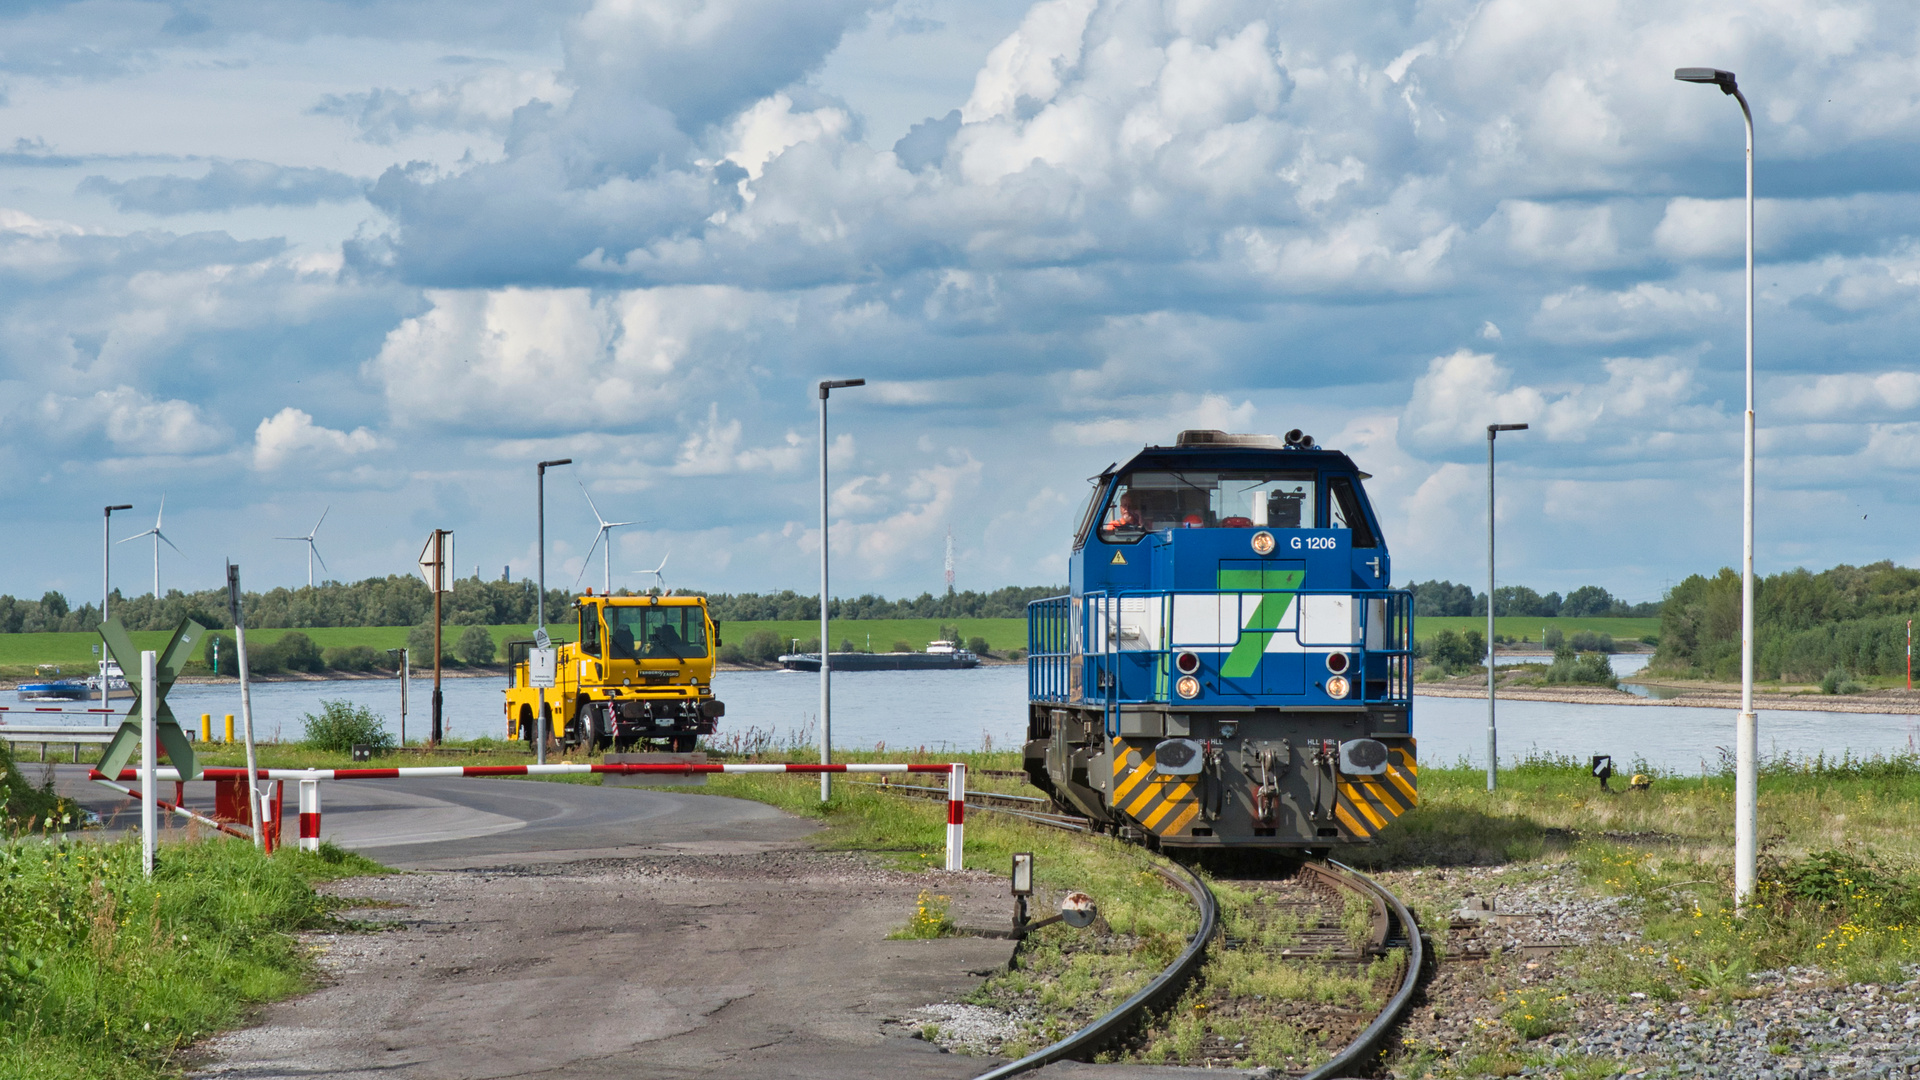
x,y
1685,695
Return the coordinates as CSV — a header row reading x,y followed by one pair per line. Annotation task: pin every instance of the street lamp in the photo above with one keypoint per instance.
x,y
1493,741
106,587
826,676
540,603
1746,728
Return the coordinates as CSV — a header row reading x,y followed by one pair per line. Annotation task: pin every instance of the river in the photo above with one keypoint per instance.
x,y
987,706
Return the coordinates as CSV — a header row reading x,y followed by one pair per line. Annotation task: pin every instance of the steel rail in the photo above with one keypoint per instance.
x,y
1368,1041
1090,1037
1163,986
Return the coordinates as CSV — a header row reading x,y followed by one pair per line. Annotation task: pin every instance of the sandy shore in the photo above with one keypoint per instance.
x,y
1711,696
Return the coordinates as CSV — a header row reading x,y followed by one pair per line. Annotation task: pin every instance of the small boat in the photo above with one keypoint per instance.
x,y
48,686
114,678
940,656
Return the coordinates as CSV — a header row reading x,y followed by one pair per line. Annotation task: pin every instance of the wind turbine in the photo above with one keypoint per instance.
x,y
313,551
659,579
605,528
157,537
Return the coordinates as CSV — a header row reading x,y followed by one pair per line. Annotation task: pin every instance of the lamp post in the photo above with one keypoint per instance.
x,y
1493,741
540,603
106,587
826,677
1746,727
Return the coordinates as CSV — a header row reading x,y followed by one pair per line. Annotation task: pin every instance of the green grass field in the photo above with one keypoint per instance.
x,y
20,652
75,652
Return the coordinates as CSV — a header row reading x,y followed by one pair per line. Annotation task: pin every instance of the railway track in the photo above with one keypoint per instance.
x,y
1333,924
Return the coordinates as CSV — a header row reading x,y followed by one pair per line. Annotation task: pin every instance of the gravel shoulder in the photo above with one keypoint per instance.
x,y
1530,950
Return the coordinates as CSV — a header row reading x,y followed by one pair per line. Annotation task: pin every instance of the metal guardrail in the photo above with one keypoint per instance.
x,y
55,733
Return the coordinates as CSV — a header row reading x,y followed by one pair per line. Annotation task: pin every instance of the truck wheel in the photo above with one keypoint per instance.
x,y
545,729
526,726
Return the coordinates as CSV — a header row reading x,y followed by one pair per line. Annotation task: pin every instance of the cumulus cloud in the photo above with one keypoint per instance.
x,y
291,437
225,186
1589,316
482,102
1644,408
135,422
520,360
716,450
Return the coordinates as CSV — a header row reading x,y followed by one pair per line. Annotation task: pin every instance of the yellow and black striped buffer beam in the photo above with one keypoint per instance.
x,y
1366,804
1164,805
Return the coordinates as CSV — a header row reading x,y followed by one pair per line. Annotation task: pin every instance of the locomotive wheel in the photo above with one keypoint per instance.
x,y
683,744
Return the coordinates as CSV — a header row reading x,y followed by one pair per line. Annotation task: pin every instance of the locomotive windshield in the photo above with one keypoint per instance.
x,y
1149,501
656,633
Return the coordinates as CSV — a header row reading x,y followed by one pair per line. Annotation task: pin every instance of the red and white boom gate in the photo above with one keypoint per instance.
x,y
310,784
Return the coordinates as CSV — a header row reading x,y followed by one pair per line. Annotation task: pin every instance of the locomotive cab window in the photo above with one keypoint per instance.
x,y
1144,502
1345,512
656,633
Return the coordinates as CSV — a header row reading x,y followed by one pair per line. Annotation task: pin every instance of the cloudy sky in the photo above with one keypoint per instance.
x,y
267,259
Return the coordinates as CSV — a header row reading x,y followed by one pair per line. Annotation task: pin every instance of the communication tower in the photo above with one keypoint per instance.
x,y
949,560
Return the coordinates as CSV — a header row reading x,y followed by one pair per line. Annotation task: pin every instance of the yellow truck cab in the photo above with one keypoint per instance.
x,y
640,669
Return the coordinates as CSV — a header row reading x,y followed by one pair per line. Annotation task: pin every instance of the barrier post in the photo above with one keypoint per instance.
x,y
149,817
310,815
206,727
956,814
229,738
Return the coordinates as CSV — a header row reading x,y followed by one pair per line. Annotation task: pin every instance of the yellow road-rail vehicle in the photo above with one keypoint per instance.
x,y
639,671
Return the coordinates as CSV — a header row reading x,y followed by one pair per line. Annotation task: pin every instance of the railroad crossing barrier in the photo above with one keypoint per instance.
x,y
310,783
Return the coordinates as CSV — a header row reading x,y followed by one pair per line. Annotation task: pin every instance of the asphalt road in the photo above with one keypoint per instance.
x,y
576,931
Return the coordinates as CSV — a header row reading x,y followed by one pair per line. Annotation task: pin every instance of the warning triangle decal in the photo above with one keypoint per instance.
x,y
1119,559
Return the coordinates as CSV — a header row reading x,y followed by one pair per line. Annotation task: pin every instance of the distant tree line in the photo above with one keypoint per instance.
x,y
404,600
1850,619
1585,602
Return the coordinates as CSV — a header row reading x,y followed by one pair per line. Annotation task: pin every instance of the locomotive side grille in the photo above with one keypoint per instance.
x,y
1365,805
1164,804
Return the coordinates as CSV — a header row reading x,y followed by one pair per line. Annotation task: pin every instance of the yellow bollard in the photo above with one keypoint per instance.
x,y
206,727
229,727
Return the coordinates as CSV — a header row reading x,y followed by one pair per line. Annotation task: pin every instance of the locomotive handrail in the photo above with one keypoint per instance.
x,y
1065,647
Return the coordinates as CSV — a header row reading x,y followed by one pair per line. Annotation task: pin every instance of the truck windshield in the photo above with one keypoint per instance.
x,y
656,633
1145,502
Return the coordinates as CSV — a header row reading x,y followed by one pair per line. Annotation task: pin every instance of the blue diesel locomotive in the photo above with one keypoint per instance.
x,y
1229,668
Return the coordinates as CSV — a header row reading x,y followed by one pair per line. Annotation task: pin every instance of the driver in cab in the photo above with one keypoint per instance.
x,y
1130,517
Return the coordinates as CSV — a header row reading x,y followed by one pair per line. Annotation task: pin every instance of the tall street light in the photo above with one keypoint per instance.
x,y
1493,741
1746,729
540,599
826,677
540,602
106,587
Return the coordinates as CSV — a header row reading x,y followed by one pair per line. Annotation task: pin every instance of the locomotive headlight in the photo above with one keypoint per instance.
x,y
1337,686
1187,687
1263,542
1187,662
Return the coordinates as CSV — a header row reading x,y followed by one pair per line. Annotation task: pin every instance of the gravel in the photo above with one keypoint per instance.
x,y
1510,927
